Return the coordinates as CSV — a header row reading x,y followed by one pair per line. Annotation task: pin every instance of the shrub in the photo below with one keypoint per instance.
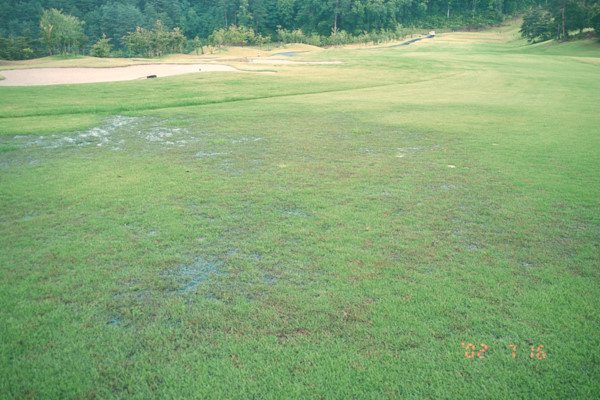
x,y
234,36
287,36
101,48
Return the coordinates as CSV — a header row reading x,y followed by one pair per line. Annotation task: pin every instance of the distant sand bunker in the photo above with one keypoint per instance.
x,y
61,76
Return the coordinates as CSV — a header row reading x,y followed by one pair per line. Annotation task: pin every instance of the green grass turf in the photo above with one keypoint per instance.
x,y
328,231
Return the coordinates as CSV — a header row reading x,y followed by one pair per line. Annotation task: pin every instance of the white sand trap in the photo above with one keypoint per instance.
x,y
61,76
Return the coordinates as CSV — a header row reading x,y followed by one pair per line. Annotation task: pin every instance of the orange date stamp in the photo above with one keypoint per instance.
x,y
471,351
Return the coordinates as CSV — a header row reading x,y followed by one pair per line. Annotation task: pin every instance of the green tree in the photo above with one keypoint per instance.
x,y
234,36
538,25
595,18
176,41
116,19
193,24
157,42
138,41
71,37
364,18
101,48
576,15
61,33
197,44
160,39
243,16
285,8
50,23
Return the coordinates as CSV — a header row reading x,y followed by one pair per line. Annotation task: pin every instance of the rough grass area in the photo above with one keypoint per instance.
x,y
416,222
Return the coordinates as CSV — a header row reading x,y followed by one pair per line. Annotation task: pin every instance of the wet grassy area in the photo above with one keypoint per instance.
x,y
329,231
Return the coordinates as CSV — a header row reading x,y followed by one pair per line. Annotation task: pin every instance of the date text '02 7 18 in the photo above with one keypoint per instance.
x,y
471,351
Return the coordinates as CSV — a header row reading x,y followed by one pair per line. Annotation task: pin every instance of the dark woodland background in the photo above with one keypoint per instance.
x,y
319,22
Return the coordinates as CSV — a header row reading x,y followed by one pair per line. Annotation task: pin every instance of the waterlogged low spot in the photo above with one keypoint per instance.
x,y
98,135
190,276
287,53
116,320
183,279
121,132
445,187
295,213
116,133
245,139
408,151
151,131
202,153
94,136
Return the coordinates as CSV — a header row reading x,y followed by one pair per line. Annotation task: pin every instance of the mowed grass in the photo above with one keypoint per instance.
x,y
328,231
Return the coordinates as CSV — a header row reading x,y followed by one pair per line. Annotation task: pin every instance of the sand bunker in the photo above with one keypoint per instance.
x,y
61,76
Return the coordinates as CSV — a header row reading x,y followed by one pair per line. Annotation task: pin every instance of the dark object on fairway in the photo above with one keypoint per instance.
x,y
287,54
407,43
412,41
151,76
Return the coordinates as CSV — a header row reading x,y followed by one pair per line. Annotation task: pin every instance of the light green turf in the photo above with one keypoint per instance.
x,y
328,231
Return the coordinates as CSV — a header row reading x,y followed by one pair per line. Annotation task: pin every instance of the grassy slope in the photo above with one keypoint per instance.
x,y
241,264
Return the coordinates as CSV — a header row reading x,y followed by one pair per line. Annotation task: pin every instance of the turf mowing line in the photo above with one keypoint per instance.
x,y
108,112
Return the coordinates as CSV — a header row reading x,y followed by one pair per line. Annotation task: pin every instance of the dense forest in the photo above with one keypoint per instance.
x,y
112,25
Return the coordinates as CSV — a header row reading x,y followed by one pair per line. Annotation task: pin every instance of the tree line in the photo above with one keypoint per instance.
x,y
130,26
560,18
